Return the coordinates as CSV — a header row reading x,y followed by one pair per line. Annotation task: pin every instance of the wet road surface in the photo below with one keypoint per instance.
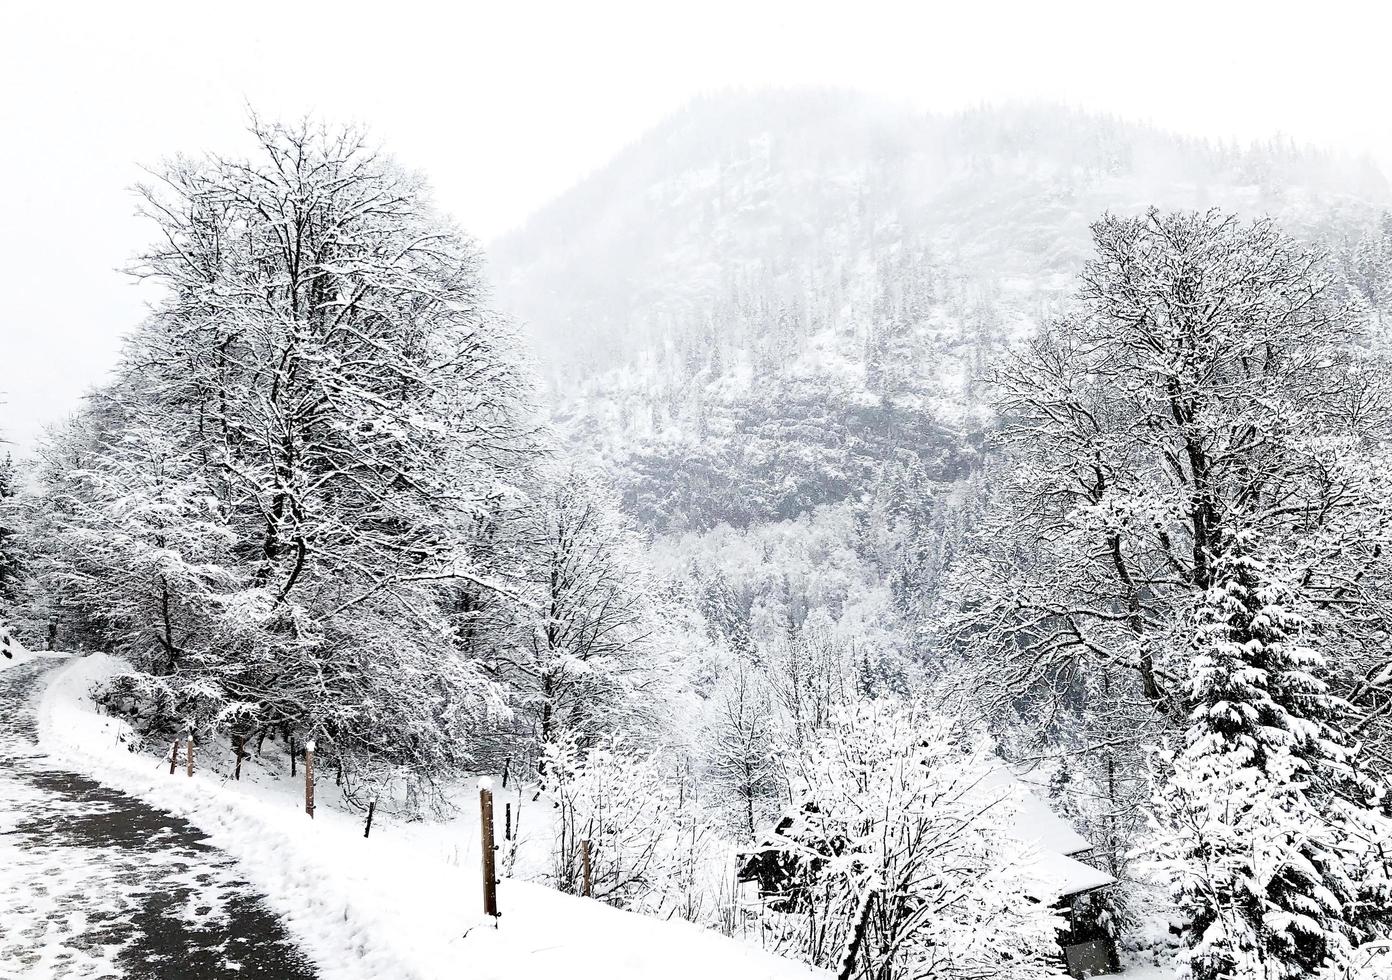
x,y
95,883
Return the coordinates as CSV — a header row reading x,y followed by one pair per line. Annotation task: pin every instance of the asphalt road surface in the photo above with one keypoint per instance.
x,y
95,883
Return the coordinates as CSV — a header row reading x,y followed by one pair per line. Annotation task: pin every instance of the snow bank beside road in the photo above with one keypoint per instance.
x,y
404,904
276,856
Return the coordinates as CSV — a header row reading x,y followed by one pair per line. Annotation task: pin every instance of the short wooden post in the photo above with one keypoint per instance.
x,y
190,755
309,778
507,821
238,746
490,884
293,756
371,806
174,757
587,888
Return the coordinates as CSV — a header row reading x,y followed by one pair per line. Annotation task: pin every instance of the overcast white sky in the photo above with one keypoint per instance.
x,y
506,104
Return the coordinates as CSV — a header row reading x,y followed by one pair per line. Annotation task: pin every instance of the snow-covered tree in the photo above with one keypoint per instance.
x,y
297,453
589,661
902,863
13,573
811,674
1205,383
147,551
1207,402
1365,264
740,747
1278,848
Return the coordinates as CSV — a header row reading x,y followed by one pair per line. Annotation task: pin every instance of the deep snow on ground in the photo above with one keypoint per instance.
x,y
405,903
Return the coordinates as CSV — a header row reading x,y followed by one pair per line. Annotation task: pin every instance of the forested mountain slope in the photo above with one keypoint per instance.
x,y
773,319
779,301
755,306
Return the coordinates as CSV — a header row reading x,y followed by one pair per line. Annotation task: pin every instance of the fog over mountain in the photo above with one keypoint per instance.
x,y
852,265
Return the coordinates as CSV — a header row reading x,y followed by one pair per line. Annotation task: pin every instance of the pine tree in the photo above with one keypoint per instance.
x,y
1269,833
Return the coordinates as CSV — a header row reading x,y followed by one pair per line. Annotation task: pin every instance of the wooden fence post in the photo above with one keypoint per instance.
x,y
507,821
190,754
174,757
309,778
371,807
490,884
587,888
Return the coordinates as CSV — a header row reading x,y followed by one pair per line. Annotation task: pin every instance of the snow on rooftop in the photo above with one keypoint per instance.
x,y
1064,876
1053,838
1036,822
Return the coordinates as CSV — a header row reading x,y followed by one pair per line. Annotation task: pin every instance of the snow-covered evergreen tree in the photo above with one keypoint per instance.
x,y
1276,844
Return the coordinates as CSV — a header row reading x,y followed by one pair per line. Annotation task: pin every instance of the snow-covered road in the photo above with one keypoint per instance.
x,y
96,883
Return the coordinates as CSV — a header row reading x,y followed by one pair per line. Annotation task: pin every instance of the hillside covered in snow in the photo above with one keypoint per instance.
x,y
773,317
768,299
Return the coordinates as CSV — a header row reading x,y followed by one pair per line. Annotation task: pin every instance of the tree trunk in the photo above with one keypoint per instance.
x,y
848,961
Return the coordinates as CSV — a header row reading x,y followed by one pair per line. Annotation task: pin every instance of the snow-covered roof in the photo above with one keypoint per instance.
x,y
1052,838
1062,876
1037,823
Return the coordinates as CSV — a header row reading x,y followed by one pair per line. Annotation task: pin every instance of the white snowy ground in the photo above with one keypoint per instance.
x,y
405,903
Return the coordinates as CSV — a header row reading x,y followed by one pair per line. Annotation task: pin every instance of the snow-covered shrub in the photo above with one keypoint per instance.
x,y
142,701
897,863
651,847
